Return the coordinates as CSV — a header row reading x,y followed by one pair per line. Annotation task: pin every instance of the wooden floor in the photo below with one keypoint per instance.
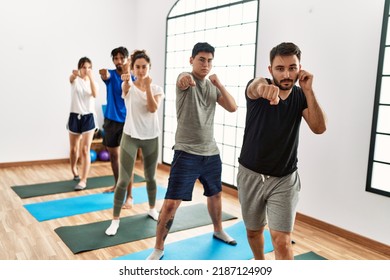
x,y
24,238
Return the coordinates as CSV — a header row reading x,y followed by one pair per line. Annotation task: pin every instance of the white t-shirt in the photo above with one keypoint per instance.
x,y
140,123
82,101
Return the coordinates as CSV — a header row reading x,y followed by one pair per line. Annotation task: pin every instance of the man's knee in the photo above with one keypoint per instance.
x,y
281,240
170,205
215,198
254,234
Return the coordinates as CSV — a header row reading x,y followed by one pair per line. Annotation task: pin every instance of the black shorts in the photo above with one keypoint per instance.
x,y
78,123
112,133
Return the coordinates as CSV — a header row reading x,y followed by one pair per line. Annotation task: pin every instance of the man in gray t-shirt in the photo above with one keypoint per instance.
x,y
196,153
195,110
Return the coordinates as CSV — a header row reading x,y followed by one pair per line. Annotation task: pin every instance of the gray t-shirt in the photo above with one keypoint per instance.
x,y
195,110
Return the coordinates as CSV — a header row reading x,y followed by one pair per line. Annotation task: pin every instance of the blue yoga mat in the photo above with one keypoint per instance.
x,y
54,209
205,247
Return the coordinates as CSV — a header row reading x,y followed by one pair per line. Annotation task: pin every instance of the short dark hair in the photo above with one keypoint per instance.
x,y
122,50
202,47
82,61
285,49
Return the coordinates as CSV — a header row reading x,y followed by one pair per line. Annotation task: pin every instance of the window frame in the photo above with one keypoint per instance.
x,y
377,106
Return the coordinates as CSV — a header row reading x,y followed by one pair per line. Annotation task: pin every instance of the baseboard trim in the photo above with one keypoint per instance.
x,y
33,162
361,240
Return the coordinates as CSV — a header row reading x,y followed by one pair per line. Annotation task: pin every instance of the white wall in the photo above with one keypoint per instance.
x,y
42,42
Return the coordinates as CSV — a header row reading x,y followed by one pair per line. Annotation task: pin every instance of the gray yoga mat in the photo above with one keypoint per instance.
x,y
92,236
26,191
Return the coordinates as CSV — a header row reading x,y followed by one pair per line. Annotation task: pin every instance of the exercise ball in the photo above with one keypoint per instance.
x,y
93,155
104,155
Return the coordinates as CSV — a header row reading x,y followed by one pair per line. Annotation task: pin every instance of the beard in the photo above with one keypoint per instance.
x,y
280,86
119,67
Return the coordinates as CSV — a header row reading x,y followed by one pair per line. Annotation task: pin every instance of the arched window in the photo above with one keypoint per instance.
x,y
378,178
231,27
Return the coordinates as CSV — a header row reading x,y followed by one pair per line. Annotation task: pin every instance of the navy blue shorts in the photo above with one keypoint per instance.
x,y
187,168
78,123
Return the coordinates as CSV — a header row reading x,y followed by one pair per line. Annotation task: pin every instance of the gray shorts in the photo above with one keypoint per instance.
x,y
269,198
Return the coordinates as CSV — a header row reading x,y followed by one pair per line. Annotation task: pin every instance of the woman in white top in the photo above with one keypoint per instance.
x,y
141,130
81,124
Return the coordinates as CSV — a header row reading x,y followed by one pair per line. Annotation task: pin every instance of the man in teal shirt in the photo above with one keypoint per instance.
x,y
115,113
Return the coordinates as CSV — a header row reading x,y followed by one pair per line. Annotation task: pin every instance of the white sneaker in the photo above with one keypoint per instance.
x,y
79,187
153,214
155,255
113,228
223,236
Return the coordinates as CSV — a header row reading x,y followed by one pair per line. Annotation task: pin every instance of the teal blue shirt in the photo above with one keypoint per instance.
x,y
116,109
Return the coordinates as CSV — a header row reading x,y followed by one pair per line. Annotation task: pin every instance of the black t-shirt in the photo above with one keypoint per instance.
x,y
271,136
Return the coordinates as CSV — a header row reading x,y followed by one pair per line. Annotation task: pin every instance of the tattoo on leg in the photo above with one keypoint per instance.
x,y
168,226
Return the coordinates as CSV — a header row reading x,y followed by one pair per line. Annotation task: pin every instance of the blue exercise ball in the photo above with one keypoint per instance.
x,y
93,155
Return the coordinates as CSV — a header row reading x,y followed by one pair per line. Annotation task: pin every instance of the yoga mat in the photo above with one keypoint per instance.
x,y
92,236
309,256
205,247
26,191
54,209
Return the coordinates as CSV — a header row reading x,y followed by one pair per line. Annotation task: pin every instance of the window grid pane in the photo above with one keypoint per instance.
x,y
378,178
231,27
